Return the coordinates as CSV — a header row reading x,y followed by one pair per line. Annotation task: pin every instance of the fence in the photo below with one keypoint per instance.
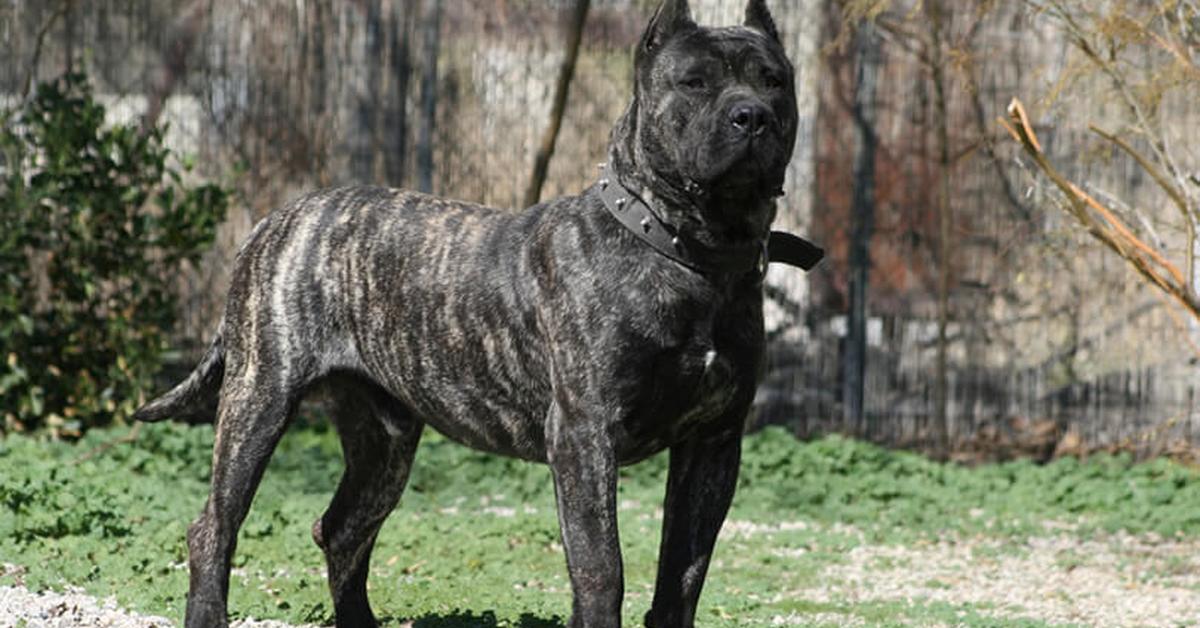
x,y
1049,342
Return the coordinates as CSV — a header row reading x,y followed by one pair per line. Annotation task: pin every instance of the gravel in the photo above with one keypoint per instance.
x,y
74,608
1116,582
1113,580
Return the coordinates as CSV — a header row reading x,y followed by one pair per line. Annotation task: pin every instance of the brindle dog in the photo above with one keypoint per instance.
x,y
560,334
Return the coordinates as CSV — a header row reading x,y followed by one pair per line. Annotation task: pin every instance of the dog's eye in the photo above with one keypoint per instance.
x,y
773,81
694,82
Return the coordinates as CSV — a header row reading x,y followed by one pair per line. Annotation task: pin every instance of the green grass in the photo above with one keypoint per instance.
x,y
475,541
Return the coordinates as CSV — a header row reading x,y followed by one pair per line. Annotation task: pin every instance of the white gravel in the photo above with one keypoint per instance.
x,y
66,610
74,608
1116,580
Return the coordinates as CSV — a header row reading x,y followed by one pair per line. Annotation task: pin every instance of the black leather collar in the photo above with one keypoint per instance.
x,y
793,250
635,215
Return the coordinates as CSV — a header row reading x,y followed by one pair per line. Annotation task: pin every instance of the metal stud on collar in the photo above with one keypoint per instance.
x,y
625,206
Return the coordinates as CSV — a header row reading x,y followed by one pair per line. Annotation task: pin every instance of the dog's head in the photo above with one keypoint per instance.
x,y
714,109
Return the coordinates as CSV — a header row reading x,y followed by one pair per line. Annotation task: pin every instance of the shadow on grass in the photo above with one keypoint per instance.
x,y
469,619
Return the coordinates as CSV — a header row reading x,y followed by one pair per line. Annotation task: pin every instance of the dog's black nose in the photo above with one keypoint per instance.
x,y
749,118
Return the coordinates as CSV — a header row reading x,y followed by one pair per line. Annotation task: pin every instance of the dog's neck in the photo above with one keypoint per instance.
x,y
715,218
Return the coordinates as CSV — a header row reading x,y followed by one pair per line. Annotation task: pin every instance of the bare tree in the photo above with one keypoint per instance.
x,y
936,14
182,38
432,32
561,90
60,12
865,109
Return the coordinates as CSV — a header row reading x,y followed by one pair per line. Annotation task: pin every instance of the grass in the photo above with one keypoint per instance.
x,y
475,541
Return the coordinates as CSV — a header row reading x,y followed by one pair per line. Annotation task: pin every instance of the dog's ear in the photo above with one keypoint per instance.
x,y
672,17
758,17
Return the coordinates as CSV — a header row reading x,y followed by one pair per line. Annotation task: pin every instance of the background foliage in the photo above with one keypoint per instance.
x,y
97,219
987,317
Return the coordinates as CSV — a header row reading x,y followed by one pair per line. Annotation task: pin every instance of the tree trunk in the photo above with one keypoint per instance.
x,y
432,32
364,158
184,33
867,63
402,21
562,89
69,38
941,426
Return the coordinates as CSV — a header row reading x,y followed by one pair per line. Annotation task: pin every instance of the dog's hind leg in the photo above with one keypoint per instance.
x,y
251,417
379,438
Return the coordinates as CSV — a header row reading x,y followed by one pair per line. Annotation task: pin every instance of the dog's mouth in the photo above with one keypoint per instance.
x,y
750,168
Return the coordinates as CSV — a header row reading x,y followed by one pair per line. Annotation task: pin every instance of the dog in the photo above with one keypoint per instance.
x,y
586,333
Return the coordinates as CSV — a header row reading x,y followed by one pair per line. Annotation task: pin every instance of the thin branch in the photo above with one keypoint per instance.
x,y
1143,121
62,9
989,138
1180,325
1127,211
1163,182
910,41
1127,234
1188,65
1107,228
184,33
562,89
103,448
1176,195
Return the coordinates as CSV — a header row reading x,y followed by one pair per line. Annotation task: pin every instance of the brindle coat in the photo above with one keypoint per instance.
x,y
551,334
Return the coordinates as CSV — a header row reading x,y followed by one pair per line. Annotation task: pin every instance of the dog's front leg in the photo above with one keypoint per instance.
x,y
583,461
700,485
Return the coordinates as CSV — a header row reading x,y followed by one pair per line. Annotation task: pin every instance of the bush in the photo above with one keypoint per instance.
x,y
96,222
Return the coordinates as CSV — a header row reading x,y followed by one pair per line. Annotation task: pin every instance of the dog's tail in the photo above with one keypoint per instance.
x,y
193,400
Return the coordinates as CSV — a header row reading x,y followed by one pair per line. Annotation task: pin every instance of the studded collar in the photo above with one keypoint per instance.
x,y
635,214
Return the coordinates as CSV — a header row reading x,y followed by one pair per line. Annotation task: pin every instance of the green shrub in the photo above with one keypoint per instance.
x,y
96,220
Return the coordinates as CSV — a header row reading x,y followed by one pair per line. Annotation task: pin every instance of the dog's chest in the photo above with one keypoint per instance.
x,y
705,389
691,386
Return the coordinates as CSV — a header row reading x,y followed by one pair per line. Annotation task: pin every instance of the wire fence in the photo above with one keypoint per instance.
x,y
1048,344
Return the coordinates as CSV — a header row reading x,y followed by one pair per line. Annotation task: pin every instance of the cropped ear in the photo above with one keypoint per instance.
x,y
672,17
758,17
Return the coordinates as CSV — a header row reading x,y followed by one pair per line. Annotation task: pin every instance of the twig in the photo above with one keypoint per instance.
x,y
105,447
1177,196
1135,106
184,33
1128,211
1163,182
1186,63
1108,228
1180,325
62,9
558,108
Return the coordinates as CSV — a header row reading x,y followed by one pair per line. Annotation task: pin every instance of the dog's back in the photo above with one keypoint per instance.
x,y
434,300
